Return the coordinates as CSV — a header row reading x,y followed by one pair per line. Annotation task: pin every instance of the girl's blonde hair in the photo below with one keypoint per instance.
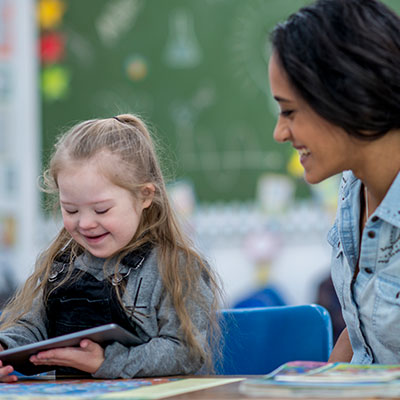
x,y
127,138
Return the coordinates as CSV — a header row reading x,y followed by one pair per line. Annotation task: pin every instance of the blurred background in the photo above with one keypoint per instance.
x,y
196,71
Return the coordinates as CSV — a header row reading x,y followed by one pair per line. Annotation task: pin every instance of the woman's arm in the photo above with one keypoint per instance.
x,y
342,352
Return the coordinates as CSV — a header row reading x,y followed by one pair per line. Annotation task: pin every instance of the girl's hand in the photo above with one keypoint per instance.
x,y
5,372
87,357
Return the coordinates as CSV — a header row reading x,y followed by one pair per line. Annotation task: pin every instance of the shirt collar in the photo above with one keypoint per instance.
x,y
389,209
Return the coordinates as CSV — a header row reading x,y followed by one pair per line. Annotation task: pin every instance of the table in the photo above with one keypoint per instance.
x,y
231,391
225,391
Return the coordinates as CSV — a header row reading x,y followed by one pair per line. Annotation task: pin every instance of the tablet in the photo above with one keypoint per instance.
x,y
18,357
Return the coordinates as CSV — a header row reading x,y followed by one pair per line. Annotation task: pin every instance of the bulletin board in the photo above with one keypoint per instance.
x,y
195,70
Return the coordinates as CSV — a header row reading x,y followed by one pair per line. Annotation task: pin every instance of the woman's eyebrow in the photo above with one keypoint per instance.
x,y
281,99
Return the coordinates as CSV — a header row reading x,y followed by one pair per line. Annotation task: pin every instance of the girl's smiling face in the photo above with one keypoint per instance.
x,y
101,216
324,149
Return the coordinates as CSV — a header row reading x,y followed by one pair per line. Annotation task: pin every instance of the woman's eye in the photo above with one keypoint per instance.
x,y
286,113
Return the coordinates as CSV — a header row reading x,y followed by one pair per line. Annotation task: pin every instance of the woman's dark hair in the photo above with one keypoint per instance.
x,y
343,58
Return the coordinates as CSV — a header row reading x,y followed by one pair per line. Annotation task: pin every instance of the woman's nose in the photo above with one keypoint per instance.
x,y
281,132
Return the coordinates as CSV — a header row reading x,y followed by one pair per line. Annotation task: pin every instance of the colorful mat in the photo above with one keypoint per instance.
x,y
156,388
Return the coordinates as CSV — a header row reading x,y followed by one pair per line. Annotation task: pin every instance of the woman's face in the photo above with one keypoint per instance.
x,y
324,149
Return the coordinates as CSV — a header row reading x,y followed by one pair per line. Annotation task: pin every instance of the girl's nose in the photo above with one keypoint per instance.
x,y
87,221
281,132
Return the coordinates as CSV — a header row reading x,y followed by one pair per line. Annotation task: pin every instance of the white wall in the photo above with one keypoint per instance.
x,y
19,136
249,249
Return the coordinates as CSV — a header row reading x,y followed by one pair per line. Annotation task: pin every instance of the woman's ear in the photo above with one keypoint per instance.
x,y
147,191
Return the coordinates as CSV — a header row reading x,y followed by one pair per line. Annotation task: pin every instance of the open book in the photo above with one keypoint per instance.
x,y
317,379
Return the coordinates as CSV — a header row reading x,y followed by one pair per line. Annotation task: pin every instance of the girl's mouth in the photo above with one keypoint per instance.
x,y
95,239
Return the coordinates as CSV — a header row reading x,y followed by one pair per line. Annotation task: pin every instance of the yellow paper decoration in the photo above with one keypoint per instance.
x,y
50,13
294,166
9,231
136,68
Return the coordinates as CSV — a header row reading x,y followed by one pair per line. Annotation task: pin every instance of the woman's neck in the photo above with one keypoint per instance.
x,y
379,167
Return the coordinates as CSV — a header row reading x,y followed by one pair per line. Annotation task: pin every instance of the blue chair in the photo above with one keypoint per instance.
x,y
266,297
258,340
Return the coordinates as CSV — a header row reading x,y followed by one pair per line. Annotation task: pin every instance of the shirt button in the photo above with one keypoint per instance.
x,y
371,234
368,270
374,218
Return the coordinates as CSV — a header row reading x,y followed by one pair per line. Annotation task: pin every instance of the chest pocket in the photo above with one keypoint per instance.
x,y
81,302
386,316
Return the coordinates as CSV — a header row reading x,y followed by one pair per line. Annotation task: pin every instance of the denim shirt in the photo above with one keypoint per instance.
x,y
370,304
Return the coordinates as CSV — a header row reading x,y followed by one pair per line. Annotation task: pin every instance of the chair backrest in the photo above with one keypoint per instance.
x,y
258,340
268,296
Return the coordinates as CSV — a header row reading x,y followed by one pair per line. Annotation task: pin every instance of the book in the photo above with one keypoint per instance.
x,y
308,379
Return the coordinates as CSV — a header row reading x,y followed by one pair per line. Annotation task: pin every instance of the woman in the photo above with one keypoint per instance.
x,y
335,74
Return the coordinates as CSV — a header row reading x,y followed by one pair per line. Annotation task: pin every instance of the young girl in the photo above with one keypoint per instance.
x,y
120,257
334,72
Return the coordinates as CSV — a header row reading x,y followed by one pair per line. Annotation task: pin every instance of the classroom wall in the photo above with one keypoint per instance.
x,y
200,79
197,72
19,142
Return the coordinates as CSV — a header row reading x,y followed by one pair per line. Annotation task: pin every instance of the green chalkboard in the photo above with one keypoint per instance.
x,y
195,70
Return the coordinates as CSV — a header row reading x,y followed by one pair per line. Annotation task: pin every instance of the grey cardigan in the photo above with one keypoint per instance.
x,y
164,354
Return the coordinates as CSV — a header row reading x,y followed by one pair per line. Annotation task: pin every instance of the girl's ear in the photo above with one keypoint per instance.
x,y
148,191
